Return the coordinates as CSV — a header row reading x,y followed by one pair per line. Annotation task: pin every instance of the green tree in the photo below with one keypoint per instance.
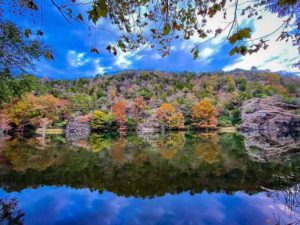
x,y
102,121
81,102
18,49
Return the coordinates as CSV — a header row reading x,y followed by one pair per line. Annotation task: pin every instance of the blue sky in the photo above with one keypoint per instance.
x,y
72,43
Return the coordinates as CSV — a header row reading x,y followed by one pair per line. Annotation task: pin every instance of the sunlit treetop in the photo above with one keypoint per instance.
x,y
158,23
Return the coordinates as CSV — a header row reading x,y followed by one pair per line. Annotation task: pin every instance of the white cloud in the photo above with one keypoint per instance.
x,y
123,60
280,55
138,57
98,69
173,48
185,46
206,53
156,56
76,59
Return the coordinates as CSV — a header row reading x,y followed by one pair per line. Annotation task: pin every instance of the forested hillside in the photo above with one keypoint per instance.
x,y
129,98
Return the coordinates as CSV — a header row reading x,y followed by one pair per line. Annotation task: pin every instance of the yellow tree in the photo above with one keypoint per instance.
x,y
164,113
177,121
97,122
169,117
35,110
204,115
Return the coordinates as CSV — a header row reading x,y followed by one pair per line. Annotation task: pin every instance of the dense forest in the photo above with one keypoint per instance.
x,y
127,99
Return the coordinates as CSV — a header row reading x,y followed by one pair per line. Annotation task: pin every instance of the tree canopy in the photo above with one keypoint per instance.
x,y
18,49
157,24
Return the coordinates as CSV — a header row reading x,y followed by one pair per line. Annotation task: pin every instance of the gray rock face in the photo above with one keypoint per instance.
x,y
77,130
149,126
270,128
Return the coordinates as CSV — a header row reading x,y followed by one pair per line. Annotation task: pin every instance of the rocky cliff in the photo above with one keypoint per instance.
x,y
77,129
271,128
150,125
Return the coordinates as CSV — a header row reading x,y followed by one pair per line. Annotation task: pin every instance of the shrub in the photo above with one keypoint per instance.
x,y
224,121
102,121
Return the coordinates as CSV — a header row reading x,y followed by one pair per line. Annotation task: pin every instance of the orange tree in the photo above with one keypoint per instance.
x,y
204,115
119,112
169,117
138,106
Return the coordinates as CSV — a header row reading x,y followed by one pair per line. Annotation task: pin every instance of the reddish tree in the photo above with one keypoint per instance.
x,y
118,110
164,113
138,106
85,118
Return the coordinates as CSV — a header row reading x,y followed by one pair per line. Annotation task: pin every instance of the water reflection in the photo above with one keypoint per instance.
x,y
10,213
169,178
271,147
61,205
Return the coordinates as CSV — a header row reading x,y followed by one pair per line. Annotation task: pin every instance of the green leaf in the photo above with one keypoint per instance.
x,y
196,54
164,9
167,29
48,55
27,33
240,35
121,45
289,2
243,50
93,15
233,51
32,5
99,9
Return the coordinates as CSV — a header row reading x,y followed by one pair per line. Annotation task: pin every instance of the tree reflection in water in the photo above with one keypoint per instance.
x,y
152,165
288,197
10,214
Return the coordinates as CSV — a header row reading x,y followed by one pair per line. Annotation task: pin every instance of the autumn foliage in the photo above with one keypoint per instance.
x,y
169,117
204,115
138,106
4,122
119,112
35,110
140,99
177,121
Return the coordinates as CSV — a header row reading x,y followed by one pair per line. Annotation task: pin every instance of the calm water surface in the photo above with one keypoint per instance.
x,y
173,178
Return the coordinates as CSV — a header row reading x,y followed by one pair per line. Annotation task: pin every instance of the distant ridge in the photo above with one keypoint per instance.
x,y
254,69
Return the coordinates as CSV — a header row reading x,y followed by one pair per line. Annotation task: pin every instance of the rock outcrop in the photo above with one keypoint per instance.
x,y
77,129
149,126
270,128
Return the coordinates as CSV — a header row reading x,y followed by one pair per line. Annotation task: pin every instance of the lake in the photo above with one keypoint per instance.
x,y
170,178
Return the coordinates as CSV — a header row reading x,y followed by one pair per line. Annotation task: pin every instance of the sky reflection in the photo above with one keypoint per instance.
x,y
63,205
